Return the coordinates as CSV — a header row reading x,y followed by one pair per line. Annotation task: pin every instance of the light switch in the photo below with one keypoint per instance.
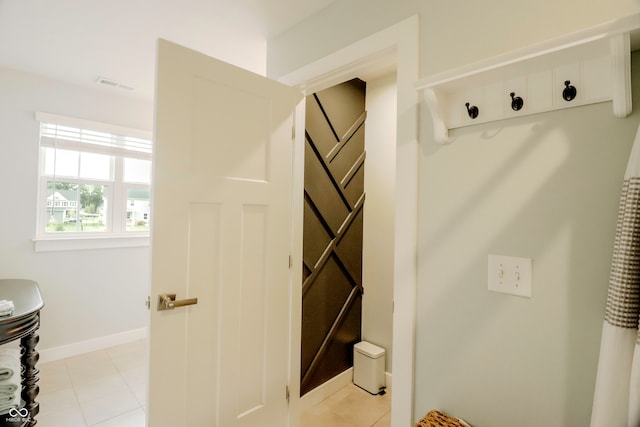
x,y
510,275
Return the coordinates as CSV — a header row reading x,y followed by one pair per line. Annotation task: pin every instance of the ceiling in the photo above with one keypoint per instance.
x,y
78,41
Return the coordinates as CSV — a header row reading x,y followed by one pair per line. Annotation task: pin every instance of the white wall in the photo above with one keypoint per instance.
x,y
544,186
452,33
378,239
87,294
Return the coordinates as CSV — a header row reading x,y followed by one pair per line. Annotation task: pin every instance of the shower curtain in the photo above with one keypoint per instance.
x,y
616,401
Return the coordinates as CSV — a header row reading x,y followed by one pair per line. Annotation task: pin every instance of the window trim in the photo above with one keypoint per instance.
x,y
45,242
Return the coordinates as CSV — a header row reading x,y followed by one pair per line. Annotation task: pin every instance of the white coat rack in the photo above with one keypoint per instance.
x,y
581,68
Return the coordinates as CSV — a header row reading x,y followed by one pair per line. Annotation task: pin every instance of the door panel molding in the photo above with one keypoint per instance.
x,y
221,233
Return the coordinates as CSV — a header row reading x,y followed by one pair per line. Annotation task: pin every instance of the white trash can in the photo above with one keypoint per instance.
x,y
368,367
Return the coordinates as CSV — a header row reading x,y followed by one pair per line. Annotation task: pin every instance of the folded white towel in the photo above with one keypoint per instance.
x,y
10,364
10,370
7,404
8,398
10,382
8,388
6,307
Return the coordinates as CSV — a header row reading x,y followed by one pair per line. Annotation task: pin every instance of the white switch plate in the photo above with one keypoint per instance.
x,y
510,275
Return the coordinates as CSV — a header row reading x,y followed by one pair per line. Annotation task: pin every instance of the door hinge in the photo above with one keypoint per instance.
x,y
290,261
287,394
293,132
148,302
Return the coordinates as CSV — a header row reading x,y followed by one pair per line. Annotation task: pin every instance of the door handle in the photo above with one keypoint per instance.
x,y
169,302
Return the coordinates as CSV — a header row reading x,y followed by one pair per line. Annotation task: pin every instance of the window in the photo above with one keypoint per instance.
x,y
95,180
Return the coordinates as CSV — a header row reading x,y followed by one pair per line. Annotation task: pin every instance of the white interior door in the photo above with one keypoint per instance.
x,y
221,234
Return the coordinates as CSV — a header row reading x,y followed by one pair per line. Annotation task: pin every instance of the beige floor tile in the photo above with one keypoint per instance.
x,y
135,418
137,347
108,388
54,376
107,407
323,419
88,359
140,392
57,400
100,387
359,407
129,356
350,406
134,375
384,421
70,417
56,366
88,373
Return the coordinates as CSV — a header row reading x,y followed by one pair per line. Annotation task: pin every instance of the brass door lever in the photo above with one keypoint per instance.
x,y
169,302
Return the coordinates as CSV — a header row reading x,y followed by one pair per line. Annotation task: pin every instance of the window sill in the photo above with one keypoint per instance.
x,y
48,244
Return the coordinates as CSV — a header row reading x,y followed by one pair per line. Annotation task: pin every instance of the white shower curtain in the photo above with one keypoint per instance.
x,y
616,401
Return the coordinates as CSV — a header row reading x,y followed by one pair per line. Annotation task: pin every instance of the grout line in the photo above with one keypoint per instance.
x,y
73,387
380,419
115,416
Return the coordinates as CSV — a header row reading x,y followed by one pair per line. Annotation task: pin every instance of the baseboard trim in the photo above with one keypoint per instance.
x,y
99,343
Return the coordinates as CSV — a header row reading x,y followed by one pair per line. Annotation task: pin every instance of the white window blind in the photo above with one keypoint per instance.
x,y
67,133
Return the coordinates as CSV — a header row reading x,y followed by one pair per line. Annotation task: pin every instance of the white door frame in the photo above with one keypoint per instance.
x,y
400,43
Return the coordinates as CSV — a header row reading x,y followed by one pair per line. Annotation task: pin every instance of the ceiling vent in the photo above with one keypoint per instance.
x,y
113,83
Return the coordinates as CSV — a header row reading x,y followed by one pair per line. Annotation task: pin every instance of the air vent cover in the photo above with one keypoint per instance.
x,y
113,83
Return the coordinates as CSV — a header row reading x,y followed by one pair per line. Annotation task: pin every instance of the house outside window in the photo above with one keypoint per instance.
x,y
94,180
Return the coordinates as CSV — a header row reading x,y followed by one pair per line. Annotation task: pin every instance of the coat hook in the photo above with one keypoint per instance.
x,y
472,111
516,102
569,93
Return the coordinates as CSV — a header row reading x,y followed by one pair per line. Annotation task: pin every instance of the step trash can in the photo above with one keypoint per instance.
x,y
368,367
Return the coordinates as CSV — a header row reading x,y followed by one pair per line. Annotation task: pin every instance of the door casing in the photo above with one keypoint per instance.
x,y
399,44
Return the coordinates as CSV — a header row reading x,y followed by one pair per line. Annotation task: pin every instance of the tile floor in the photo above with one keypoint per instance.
x,y
107,388
349,407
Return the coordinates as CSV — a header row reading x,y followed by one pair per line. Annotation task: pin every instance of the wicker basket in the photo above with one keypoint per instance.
x,y
439,419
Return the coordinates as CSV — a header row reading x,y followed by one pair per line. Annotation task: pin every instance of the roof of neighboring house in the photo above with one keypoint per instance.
x,y
66,194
